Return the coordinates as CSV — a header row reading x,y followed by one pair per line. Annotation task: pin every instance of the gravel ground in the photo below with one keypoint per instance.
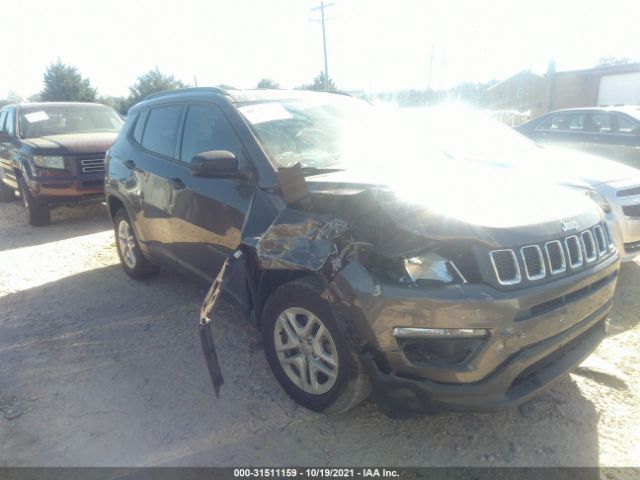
x,y
99,370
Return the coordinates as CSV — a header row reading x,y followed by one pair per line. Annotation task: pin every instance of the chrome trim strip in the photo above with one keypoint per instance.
x,y
518,278
417,332
543,269
563,268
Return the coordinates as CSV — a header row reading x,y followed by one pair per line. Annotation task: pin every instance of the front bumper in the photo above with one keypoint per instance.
x,y
537,335
68,188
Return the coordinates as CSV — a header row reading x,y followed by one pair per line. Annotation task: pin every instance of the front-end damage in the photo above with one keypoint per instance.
x,y
411,295
307,237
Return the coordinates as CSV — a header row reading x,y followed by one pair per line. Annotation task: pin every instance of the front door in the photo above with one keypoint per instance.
x,y
207,214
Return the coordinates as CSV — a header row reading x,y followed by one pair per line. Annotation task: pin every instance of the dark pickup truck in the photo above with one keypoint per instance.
x,y
53,153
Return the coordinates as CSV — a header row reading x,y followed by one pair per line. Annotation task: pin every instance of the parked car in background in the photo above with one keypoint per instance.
x,y
369,263
53,153
464,133
612,132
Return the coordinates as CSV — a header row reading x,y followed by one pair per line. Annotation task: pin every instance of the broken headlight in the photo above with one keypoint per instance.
x,y
425,270
432,270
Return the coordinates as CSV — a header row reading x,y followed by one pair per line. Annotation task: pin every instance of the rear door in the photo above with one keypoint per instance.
x,y
207,214
601,139
563,129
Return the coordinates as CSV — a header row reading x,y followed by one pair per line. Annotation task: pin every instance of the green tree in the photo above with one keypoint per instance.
x,y
268,83
154,81
64,83
116,103
12,98
318,84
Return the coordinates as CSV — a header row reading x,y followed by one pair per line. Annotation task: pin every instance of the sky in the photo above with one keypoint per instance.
x,y
372,45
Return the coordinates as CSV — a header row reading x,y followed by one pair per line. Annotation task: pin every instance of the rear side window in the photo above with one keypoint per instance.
x,y
10,124
140,121
3,115
206,128
601,122
161,130
570,122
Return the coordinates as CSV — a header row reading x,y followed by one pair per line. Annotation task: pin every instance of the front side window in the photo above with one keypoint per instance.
x,y
161,130
45,120
3,115
206,129
626,126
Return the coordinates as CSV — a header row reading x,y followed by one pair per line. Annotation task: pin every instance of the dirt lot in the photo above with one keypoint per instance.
x,y
96,369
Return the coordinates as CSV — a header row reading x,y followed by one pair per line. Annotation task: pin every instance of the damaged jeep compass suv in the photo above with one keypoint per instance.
x,y
369,263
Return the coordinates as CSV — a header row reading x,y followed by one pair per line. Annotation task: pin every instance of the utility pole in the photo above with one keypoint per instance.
x,y
321,7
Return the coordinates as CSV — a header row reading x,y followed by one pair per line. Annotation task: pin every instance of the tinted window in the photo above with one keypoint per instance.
x,y
2,117
206,129
161,130
10,124
626,126
601,122
137,131
565,122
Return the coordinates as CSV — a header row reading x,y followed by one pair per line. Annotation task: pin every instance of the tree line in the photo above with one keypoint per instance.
x,y
64,83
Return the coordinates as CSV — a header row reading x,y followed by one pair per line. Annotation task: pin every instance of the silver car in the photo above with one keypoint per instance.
x,y
464,133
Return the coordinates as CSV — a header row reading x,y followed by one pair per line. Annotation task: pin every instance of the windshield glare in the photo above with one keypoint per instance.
x,y
340,132
58,120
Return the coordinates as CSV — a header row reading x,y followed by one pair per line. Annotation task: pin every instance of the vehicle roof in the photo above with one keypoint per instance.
x,y
238,96
620,108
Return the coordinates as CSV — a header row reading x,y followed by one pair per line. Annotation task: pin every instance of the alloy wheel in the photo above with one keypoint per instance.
x,y
127,244
306,351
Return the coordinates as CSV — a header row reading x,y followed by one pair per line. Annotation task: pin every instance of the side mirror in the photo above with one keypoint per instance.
x,y
215,164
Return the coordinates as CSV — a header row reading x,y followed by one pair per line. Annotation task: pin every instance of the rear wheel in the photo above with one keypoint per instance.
x,y
7,194
133,261
37,210
307,352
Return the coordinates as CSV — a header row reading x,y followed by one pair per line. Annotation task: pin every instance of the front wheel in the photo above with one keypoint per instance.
x,y
133,261
37,210
307,351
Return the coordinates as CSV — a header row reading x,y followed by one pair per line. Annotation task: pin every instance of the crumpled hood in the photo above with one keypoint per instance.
x,y
466,200
73,143
566,166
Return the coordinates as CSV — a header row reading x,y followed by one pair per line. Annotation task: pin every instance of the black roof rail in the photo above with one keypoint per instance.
x,y
187,90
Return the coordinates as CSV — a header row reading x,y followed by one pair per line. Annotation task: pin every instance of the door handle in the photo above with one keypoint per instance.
x,y
176,183
130,164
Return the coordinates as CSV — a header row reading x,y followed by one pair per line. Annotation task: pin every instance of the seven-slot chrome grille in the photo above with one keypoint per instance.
x,y
536,262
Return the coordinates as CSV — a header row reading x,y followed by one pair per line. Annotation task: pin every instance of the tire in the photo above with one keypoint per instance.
x,y
133,261
37,210
329,351
7,194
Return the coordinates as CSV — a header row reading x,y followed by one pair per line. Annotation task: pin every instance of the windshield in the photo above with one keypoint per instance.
x,y
334,132
63,119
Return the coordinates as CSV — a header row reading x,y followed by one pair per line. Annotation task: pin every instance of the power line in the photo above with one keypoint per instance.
x,y
321,7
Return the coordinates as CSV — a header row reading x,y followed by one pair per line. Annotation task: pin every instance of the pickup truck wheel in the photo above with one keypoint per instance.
x,y
7,194
133,261
37,210
307,351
